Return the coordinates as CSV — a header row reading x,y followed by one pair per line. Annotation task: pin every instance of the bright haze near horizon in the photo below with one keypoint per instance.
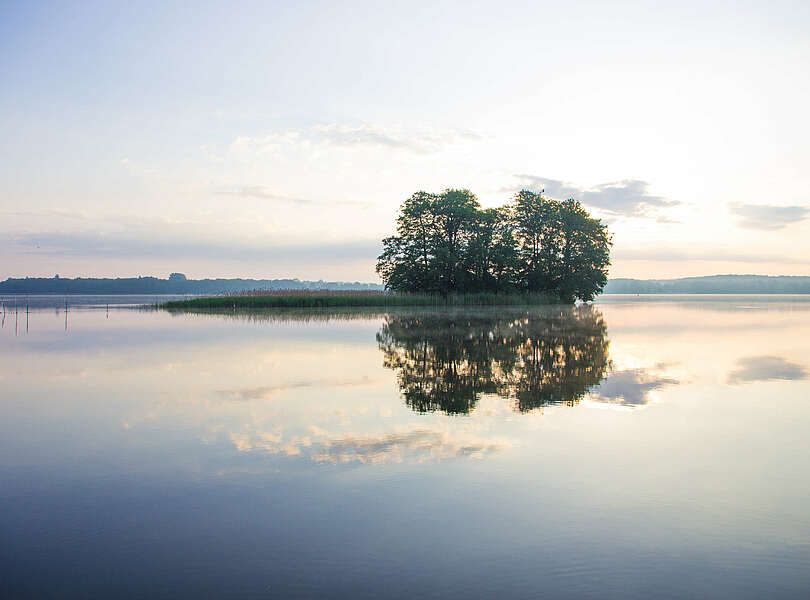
x,y
279,139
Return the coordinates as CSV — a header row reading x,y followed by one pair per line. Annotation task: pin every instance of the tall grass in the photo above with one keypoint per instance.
x,y
330,298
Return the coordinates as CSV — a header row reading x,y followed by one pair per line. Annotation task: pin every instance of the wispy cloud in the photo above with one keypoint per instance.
x,y
705,253
423,140
766,217
262,192
626,198
101,245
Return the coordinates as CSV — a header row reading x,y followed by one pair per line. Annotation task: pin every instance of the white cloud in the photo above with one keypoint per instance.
x,y
419,140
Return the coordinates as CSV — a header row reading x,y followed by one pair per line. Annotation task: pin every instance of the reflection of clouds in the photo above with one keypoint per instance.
x,y
630,387
765,368
263,392
267,391
394,447
417,445
271,442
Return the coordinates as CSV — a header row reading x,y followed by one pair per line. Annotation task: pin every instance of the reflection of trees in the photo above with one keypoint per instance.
x,y
445,361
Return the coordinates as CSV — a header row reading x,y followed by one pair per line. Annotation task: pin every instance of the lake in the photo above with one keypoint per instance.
x,y
639,447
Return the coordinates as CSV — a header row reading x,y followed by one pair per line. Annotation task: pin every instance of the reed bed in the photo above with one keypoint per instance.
x,y
261,299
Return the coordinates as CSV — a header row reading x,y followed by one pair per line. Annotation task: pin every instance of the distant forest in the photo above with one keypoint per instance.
x,y
714,284
177,283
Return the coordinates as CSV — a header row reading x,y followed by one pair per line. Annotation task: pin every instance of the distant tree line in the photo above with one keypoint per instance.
x,y
177,283
712,284
447,244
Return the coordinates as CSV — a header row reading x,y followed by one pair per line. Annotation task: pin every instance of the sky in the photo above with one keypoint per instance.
x,y
277,139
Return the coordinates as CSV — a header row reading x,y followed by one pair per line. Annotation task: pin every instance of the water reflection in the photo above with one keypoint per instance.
x,y
632,387
446,361
410,444
766,368
157,455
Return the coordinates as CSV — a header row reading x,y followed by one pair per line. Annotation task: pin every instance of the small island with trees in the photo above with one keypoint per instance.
x,y
448,250
447,244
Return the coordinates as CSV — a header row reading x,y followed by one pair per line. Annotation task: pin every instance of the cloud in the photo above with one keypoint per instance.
x,y
422,141
417,140
266,193
766,368
262,192
626,198
163,244
766,217
705,254
667,221
54,213
630,387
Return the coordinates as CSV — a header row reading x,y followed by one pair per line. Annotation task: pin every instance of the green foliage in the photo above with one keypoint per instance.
x,y
447,244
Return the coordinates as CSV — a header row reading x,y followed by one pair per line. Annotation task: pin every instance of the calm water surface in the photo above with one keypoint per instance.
x,y
642,447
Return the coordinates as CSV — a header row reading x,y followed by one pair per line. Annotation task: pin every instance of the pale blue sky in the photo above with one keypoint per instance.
x,y
278,139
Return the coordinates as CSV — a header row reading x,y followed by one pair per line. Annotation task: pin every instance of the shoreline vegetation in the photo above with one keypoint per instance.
x,y
267,299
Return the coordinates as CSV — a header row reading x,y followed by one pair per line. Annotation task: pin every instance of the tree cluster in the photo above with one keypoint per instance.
x,y
447,244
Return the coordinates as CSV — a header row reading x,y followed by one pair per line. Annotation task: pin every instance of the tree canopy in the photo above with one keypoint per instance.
x,y
447,244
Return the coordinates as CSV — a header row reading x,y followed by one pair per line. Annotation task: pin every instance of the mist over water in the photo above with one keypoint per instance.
x,y
634,448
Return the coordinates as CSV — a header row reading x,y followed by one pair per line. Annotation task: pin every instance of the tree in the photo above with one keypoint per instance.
x,y
534,221
562,249
433,233
491,258
456,213
581,270
407,263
